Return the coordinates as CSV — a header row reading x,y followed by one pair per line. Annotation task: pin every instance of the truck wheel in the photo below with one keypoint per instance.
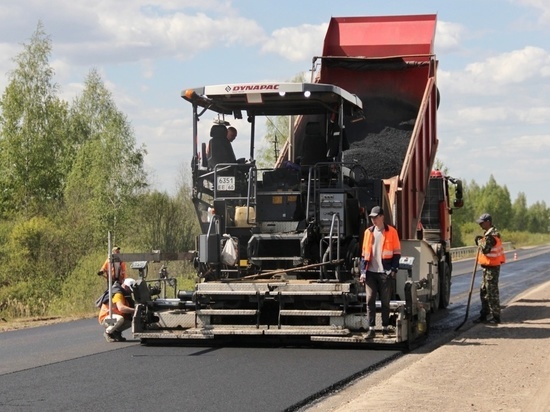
x,y
444,285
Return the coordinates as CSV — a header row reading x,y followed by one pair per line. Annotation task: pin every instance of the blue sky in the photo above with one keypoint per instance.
x,y
494,72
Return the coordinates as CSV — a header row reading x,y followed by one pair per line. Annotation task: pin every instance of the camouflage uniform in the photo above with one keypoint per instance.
x,y
488,292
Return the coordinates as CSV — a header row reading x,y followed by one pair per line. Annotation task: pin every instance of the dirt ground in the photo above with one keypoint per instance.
x,y
6,325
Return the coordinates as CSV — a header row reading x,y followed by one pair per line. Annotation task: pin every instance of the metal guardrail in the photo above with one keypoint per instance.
x,y
467,252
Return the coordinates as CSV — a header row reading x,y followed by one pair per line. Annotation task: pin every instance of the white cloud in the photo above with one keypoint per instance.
x,y
535,115
512,67
130,30
537,146
134,36
448,36
542,7
459,142
478,114
297,43
498,75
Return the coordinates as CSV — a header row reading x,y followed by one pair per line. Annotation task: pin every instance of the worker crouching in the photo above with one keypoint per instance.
x,y
122,310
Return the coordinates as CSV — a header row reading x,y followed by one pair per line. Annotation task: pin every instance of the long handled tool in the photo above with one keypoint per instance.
x,y
470,293
281,271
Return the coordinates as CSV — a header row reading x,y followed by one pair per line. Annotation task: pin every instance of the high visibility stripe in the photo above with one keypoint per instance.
x,y
388,254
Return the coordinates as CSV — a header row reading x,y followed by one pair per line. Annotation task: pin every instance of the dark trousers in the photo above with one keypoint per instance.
x,y
381,284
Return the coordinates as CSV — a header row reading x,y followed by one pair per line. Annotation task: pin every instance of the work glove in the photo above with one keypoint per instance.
x,y
391,273
477,239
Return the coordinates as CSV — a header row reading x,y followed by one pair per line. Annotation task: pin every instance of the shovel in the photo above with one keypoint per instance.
x,y
470,293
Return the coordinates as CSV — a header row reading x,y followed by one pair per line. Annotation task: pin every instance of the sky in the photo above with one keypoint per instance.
x,y
493,76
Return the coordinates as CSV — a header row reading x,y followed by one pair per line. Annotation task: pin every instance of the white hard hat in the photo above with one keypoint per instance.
x,y
130,283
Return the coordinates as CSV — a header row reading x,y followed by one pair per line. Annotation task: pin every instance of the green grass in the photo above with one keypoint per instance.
x,y
76,295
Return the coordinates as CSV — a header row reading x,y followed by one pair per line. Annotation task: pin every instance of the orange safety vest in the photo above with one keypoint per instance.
x,y
117,269
104,311
495,257
391,249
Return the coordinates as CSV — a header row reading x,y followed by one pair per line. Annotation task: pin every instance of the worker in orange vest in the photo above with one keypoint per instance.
x,y
490,257
122,310
379,264
118,267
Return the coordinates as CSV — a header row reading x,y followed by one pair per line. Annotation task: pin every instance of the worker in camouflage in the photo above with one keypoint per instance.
x,y
490,257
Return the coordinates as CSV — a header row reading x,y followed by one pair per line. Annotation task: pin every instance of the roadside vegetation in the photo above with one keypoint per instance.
x,y
70,172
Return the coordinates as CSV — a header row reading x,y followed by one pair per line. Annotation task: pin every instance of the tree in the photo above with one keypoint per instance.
x,y
439,165
166,223
538,219
467,213
495,200
107,175
519,211
33,148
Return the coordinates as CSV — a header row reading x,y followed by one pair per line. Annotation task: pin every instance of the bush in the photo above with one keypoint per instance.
x,y
24,299
81,288
33,265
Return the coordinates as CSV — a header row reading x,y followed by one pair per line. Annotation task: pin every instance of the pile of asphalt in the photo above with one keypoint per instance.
x,y
379,143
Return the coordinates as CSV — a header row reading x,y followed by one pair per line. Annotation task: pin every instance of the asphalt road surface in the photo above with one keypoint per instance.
x,y
69,366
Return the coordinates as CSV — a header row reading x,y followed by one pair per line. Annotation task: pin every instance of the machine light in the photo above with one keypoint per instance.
x,y
190,94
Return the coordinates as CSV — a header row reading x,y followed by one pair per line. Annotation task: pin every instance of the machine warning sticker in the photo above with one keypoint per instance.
x,y
226,183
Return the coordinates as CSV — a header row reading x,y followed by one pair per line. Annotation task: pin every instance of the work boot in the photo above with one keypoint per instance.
x,y
481,319
109,337
371,334
495,320
118,336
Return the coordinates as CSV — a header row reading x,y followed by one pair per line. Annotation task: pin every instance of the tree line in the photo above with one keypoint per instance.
x,y
515,220
70,172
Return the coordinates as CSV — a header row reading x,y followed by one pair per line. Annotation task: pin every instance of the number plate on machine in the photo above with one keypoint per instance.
x,y
226,183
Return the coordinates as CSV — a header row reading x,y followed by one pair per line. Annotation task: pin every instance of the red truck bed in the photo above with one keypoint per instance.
x,y
388,62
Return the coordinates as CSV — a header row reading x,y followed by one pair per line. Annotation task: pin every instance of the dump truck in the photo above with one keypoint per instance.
x,y
279,251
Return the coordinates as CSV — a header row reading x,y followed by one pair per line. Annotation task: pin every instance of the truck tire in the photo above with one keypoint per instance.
x,y
444,285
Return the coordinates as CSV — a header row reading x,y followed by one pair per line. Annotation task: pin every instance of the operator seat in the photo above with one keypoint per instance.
x,y
314,145
219,148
